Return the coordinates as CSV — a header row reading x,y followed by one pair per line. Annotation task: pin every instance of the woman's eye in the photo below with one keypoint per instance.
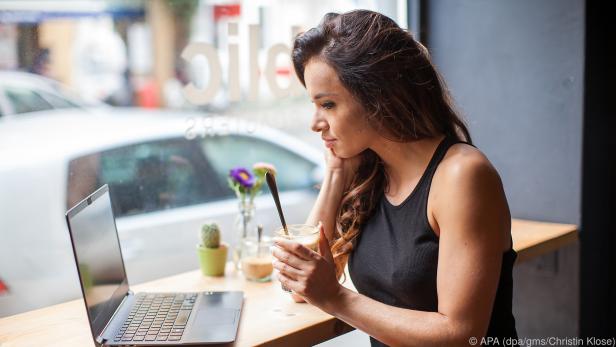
x,y
328,105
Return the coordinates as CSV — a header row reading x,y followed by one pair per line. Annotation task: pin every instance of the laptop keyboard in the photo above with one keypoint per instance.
x,y
157,317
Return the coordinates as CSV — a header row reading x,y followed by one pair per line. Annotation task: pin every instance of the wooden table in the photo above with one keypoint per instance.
x,y
532,239
269,317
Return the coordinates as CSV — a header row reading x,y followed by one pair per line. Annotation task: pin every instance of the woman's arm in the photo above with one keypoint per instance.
x,y
326,206
474,222
338,174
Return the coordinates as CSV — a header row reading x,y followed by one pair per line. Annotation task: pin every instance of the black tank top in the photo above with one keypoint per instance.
x,y
395,257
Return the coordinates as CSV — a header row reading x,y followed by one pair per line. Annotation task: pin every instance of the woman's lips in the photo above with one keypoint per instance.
x,y
329,143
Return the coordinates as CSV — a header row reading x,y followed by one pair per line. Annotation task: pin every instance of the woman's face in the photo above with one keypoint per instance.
x,y
338,117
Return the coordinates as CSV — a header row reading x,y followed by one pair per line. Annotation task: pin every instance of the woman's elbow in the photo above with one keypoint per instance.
x,y
464,333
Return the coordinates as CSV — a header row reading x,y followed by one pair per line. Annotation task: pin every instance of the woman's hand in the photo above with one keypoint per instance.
x,y
297,298
346,166
310,275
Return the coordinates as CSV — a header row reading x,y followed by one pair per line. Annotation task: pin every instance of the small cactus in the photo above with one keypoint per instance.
x,y
210,235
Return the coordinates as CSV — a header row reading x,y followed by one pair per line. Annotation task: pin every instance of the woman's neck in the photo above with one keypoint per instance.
x,y
405,161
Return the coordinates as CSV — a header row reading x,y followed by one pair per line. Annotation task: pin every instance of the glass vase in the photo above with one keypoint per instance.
x,y
245,226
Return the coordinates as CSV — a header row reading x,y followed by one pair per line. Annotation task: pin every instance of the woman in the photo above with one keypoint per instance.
x,y
419,213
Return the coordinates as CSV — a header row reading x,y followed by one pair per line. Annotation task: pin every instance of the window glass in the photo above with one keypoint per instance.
x,y
227,152
126,62
24,100
56,101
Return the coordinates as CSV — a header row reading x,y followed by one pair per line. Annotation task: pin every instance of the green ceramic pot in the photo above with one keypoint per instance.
x,y
213,260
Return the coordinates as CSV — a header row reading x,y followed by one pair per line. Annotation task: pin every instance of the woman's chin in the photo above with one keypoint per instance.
x,y
341,153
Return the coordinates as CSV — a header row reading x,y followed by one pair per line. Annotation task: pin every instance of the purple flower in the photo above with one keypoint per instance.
x,y
243,177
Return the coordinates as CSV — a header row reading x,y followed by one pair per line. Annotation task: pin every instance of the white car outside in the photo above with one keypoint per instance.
x,y
22,93
37,157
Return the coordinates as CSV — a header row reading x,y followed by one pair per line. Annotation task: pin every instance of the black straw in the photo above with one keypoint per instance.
x,y
271,182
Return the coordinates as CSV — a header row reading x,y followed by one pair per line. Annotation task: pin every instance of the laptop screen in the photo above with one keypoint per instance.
x,y
99,260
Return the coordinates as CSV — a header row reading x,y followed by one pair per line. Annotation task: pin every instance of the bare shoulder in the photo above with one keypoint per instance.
x,y
465,177
464,162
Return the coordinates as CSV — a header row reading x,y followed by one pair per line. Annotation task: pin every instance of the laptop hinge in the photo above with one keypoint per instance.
x,y
100,339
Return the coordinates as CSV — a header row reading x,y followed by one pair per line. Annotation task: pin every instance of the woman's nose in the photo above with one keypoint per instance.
x,y
318,124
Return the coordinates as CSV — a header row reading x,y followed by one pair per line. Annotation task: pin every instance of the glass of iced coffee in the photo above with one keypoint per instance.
x,y
256,262
306,234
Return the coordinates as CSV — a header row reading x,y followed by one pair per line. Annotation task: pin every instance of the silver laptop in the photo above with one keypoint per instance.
x,y
120,317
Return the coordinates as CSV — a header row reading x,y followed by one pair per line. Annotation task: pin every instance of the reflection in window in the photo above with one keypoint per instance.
x,y
24,100
227,152
147,177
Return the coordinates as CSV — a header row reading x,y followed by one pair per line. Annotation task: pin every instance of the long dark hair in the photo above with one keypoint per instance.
x,y
405,99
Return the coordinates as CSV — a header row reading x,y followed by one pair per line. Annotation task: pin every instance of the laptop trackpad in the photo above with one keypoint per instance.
x,y
208,316
216,318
